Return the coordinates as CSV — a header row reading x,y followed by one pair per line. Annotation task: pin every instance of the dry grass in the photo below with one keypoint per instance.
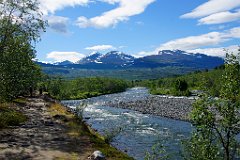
x,y
78,129
74,123
58,109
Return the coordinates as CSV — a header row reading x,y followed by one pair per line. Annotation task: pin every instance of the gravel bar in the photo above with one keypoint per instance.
x,y
165,106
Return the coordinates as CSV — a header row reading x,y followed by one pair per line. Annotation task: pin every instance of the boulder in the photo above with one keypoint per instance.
x,y
97,155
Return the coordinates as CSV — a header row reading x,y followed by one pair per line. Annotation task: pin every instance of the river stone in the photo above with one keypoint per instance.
x,y
97,155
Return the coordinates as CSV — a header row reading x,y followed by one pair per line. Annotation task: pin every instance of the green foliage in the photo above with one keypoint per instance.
x,y
20,27
83,88
158,152
161,91
200,80
217,121
10,117
110,135
181,85
203,143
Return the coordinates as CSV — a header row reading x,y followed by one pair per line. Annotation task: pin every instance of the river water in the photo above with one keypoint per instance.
x,y
131,131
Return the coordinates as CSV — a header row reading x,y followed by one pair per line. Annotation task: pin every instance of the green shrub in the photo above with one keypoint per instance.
x,y
10,117
181,85
160,91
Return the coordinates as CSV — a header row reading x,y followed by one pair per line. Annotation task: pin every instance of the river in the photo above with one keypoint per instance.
x,y
131,131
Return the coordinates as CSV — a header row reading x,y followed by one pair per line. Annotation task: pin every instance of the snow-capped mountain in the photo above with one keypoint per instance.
x,y
111,58
164,58
92,58
63,63
179,58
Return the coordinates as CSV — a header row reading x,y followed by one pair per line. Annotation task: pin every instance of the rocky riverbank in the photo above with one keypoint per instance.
x,y
165,106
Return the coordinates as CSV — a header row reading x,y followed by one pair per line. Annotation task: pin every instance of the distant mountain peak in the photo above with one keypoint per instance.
x,y
172,52
113,58
91,58
66,62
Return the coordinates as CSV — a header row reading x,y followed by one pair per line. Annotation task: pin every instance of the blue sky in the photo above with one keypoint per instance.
x,y
137,27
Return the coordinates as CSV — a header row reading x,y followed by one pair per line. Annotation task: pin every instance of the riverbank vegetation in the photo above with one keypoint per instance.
x,y
83,88
191,84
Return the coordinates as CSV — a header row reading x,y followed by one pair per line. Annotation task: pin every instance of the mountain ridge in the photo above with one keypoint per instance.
x,y
164,58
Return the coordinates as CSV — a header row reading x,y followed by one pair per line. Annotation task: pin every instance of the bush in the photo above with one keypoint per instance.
x,y
160,91
181,85
10,117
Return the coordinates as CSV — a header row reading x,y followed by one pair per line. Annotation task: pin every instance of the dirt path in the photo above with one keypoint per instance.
x,y
42,137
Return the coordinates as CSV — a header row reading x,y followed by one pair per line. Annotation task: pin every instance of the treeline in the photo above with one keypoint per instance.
x,y
82,88
186,85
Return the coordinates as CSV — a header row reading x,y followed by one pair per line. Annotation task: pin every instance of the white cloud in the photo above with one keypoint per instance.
x,y
62,56
192,43
58,23
221,17
110,1
50,6
209,39
218,27
126,9
211,7
234,32
215,12
100,47
212,38
145,53
219,52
